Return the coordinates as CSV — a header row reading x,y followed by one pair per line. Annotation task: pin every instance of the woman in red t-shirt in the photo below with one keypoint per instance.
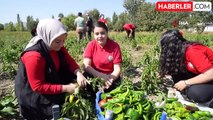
x,y
102,57
130,30
190,64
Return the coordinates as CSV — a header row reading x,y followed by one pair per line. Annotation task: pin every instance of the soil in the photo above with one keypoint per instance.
x,y
6,85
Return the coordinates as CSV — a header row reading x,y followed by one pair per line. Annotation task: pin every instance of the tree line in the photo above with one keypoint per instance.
x,y
139,12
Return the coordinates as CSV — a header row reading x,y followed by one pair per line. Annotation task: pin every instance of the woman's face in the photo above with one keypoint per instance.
x,y
100,34
58,42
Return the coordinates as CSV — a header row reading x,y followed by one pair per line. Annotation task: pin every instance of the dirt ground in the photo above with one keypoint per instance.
x,y
6,85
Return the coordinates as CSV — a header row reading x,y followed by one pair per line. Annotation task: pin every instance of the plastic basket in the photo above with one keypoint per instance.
x,y
98,108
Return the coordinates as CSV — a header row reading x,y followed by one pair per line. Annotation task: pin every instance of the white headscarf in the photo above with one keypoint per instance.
x,y
47,30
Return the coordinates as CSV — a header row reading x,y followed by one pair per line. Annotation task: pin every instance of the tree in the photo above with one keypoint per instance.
x,y
31,23
109,23
19,25
9,27
69,22
113,22
147,17
1,26
18,19
122,19
199,19
114,18
132,7
94,14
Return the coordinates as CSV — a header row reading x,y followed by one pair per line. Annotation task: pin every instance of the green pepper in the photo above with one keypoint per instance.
x,y
135,98
157,116
116,108
139,95
170,100
105,95
204,113
132,114
117,100
124,95
120,116
145,117
116,91
138,92
139,107
175,118
126,107
147,107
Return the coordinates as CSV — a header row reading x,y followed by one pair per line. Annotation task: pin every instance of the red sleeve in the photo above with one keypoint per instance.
x,y
89,50
117,55
35,68
197,55
71,62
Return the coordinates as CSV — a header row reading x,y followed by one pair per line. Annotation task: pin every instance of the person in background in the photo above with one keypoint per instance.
x,y
80,26
190,64
33,32
130,30
89,24
102,19
46,72
59,19
108,66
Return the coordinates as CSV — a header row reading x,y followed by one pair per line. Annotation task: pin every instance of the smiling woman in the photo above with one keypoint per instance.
x,y
101,34
102,58
58,43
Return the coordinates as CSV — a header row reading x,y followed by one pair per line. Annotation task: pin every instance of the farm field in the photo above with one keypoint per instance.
x,y
139,67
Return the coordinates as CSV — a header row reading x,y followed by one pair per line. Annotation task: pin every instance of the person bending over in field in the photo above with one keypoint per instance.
x,y
190,64
130,30
102,57
46,72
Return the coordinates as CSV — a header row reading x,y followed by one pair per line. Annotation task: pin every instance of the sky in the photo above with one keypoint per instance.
x,y
42,9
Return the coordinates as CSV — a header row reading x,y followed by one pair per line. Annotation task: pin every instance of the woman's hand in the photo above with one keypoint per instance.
x,y
82,81
70,88
181,85
108,80
108,83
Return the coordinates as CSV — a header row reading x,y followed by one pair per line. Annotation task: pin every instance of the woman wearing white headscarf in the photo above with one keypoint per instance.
x,y
46,72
